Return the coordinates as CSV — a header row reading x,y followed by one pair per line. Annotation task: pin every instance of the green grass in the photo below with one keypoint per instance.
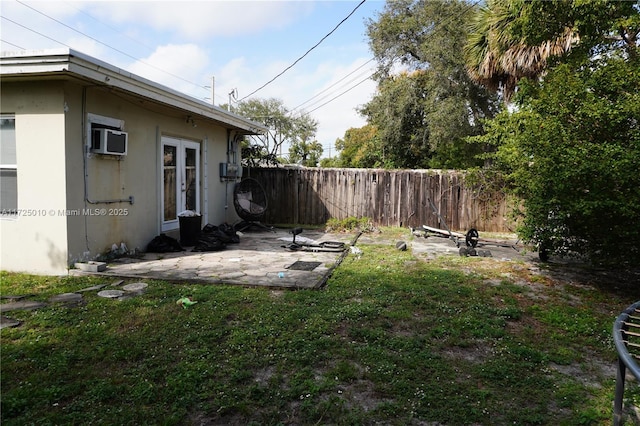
x,y
391,340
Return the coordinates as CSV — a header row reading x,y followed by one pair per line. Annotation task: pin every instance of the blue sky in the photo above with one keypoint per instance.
x,y
244,44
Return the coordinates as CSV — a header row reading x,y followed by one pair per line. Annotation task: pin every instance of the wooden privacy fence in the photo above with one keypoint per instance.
x,y
311,196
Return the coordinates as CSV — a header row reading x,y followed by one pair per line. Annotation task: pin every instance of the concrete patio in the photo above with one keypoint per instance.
x,y
259,260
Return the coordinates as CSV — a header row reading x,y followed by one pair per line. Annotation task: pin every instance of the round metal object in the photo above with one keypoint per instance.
x,y
401,245
472,238
332,244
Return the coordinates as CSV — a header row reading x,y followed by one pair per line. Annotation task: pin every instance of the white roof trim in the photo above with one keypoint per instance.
x,y
76,63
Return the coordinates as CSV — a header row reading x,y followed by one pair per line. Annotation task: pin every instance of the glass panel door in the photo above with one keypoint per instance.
x,y
170,199
180,180
191,176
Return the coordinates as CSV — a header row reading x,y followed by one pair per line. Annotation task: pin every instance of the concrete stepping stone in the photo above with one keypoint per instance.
x,y
21,305
6,322
14,298
66,298
92,288
135,288
111,294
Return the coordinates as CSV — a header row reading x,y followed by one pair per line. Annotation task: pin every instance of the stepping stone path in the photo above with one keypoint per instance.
x,y
111,294
66,300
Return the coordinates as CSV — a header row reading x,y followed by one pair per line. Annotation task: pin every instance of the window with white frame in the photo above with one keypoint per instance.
x,y
8,165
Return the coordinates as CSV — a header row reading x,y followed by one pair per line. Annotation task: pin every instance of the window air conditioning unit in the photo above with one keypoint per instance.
x,y
108,141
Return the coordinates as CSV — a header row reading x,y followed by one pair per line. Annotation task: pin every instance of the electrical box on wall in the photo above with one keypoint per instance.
x,y
229,171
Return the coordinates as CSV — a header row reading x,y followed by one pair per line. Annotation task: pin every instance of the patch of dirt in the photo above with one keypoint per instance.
x,y
264,375
586,373
200,419
360,394
276,294
479,352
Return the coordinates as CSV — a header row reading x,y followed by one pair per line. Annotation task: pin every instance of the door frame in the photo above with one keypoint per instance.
x,y
180,196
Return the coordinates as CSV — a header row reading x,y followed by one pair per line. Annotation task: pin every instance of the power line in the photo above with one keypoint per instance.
x,y
305,54
319,100
176,76
14,45
343,93
34,31
149,48
97,41
331,86
437,27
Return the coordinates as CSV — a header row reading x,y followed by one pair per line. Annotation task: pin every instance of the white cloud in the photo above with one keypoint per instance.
x,y
179,67
183,44
298,85
87,46
27,26
197,20
339,114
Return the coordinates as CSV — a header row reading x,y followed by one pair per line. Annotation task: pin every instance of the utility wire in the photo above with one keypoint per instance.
x,y
343,93
305,54
149,48
319,100
331,86
97,41
14,45
34,31
437,27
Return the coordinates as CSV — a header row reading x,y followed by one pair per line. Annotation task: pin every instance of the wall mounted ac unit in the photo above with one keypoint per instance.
x,y
108,141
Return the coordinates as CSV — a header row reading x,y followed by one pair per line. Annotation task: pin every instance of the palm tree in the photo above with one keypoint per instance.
x,y
497,58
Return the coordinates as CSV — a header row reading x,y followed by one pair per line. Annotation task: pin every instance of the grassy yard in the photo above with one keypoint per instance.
x,y
391,340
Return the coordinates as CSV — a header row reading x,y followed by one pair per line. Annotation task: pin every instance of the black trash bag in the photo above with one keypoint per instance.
x,y
209,228
209,242
230,232
164,244
225,233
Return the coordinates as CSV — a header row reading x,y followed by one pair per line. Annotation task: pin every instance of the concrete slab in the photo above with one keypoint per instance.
x,y
259,260
6,322
68,300
436,246
21,305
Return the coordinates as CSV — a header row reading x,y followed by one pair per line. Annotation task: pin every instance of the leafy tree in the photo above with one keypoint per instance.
x,y
330,162
425,113
282,129
305,153
360,148
497,54
512,39
571,147
304,149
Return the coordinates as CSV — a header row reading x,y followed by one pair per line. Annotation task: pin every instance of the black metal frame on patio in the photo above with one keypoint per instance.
x,y
626,328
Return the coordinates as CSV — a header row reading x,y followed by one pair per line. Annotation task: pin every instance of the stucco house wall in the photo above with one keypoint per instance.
x,y
73,204
36,241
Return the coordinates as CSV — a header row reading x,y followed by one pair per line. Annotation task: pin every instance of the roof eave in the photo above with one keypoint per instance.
x,y
84,66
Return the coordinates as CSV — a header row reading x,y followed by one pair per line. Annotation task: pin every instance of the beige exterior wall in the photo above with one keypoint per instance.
x,y
54,170
36,239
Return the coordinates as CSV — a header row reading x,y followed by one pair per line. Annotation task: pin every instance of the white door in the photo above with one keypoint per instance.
x,y
180,180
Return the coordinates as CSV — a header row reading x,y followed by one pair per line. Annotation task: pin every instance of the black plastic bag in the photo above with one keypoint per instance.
x,y
209,242
164,244
224,232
